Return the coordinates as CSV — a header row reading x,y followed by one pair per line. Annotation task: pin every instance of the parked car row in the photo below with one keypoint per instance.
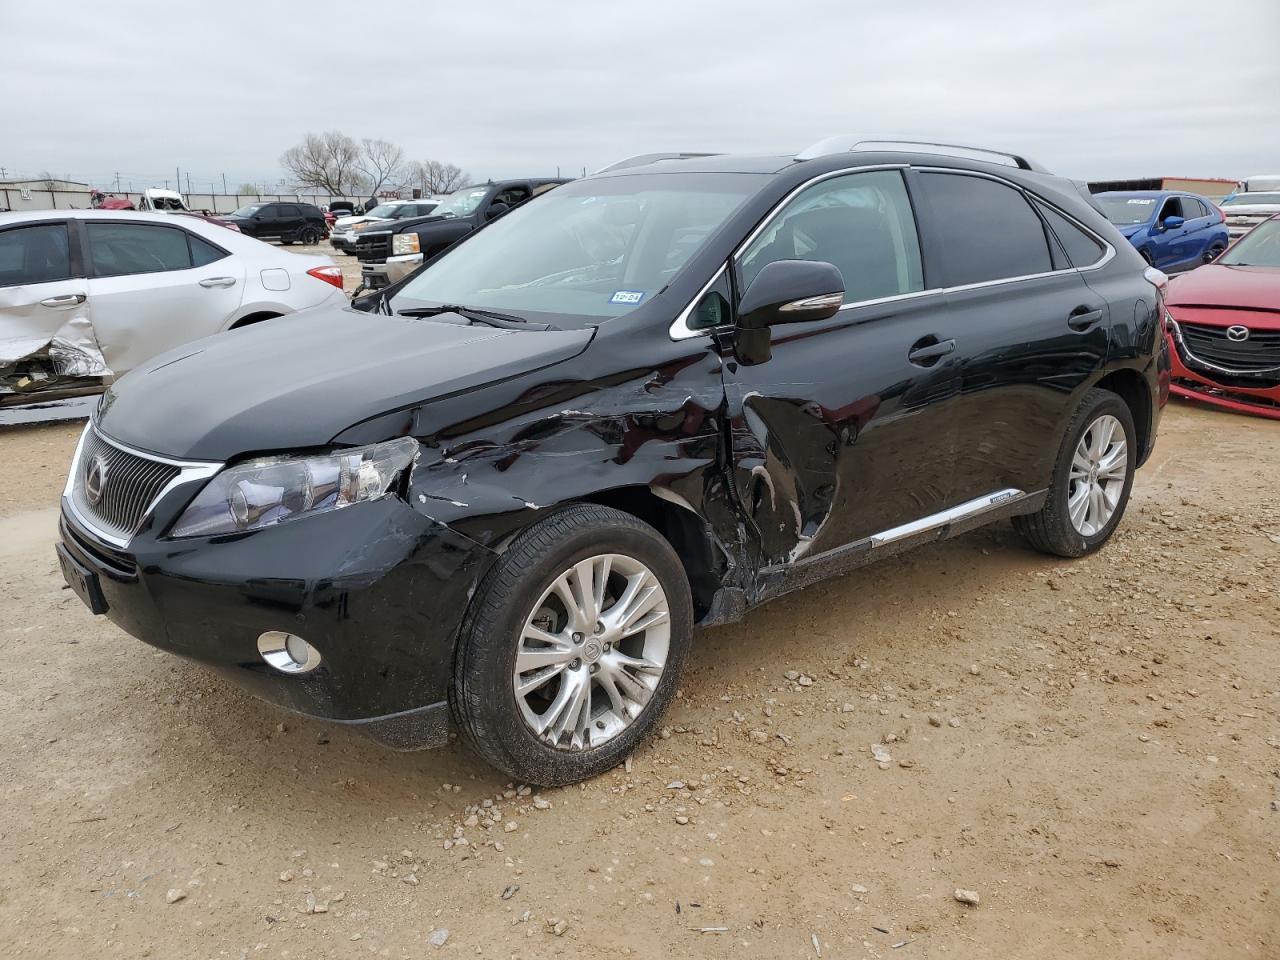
x,y
502,496
346,227
1172,231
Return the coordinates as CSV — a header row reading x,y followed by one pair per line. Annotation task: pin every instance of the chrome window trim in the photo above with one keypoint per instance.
x,y
188,470
680,329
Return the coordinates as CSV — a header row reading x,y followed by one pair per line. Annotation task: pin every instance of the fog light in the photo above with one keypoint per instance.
x,y
288,652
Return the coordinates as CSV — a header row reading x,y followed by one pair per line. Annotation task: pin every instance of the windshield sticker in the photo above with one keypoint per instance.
x,y
1141,201
627,296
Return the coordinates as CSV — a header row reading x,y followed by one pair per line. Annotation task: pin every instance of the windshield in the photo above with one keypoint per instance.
x,y
461,203
593,249
384,211
248,210
1244,198
1127,211
1260,247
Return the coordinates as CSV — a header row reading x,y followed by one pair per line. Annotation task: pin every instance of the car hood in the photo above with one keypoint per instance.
x,y
345,223
1253,209
1131,229
300,380
1217,285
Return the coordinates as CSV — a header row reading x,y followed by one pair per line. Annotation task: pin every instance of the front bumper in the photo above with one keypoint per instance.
x,y
377,588
376,275
1194,383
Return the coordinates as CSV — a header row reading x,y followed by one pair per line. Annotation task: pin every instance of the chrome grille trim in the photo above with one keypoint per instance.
x,y
136,481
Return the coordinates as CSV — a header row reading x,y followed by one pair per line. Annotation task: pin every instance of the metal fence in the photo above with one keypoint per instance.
x,y
13,198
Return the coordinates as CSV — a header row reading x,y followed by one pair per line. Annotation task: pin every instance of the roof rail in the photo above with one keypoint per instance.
x,y
847,143
640,160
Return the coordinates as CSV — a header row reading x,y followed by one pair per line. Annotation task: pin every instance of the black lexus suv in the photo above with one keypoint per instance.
x,y
647,401
389,252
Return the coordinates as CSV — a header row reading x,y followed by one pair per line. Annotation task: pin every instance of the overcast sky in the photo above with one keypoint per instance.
x,y
1090,88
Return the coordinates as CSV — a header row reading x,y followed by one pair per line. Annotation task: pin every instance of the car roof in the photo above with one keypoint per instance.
x,y
1152,194
145,216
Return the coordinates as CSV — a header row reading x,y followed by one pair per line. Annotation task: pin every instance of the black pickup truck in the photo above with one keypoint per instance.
x,y
388,253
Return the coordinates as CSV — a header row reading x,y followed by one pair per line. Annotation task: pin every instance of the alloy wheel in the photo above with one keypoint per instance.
x,y
592,651
1099,469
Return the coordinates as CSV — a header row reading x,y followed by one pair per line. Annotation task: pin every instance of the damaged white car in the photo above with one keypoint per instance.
x,y
86,295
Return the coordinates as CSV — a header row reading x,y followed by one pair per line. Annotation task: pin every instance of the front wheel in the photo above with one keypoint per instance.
x,y
573,645
1091,480
1214,252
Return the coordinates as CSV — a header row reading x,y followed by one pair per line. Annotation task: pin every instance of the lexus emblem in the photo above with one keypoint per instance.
x,y
95,480
1237,334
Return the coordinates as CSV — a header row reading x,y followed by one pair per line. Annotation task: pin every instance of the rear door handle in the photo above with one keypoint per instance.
x,y
1082,318
63,301
218,282
928,351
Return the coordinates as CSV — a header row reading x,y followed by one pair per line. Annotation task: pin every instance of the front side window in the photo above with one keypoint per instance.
x,y
248,210
860,222
119,249
593,249
986,229
1172,208
39,253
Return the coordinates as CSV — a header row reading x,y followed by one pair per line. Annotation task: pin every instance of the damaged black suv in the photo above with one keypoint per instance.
x,y
647,401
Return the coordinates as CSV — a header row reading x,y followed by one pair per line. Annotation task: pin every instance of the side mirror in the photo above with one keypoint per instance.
x,y
496,210
1172,223
785,291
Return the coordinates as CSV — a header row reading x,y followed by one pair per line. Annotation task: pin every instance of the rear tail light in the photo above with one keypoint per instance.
x,y
1222,217
1157,278
331,275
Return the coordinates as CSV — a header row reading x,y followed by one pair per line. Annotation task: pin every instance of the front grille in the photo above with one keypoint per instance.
x,y
124,485
1259,352
376,247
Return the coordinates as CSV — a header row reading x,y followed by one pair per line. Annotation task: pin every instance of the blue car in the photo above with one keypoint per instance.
x,y
1173,231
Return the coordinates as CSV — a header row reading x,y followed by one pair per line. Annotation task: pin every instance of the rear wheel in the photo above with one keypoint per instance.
x,y
572,647
1091,480
309,235
1146,255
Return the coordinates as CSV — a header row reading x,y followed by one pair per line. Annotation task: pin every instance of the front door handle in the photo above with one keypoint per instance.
x,y
1082,318
63,301
929,350
218,282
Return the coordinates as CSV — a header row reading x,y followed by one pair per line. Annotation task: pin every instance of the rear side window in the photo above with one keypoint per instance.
x,y
290,210
861,222
203,252
987,230
36,254
1082,249
120,249
1193,208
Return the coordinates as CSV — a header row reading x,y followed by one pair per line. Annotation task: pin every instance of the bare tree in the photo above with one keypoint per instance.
x,y
329,161
381,162
433,176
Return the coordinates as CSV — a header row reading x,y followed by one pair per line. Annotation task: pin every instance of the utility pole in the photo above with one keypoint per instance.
x,y
117,181
188,181
177,179
224,183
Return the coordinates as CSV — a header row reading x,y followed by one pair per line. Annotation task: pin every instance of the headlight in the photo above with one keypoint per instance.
x,y
403,243
263,492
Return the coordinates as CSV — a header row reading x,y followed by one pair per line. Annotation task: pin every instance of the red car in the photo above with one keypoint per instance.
x,y
1224,326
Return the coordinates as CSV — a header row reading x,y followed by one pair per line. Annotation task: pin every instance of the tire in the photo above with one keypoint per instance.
x,y
309,236
1053,530
1146,255
519,590
1214,252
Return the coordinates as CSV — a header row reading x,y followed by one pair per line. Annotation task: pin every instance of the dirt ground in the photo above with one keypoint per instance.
x,y
1093,747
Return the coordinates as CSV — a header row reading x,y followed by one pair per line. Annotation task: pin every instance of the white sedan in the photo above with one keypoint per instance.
x,y
86,295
